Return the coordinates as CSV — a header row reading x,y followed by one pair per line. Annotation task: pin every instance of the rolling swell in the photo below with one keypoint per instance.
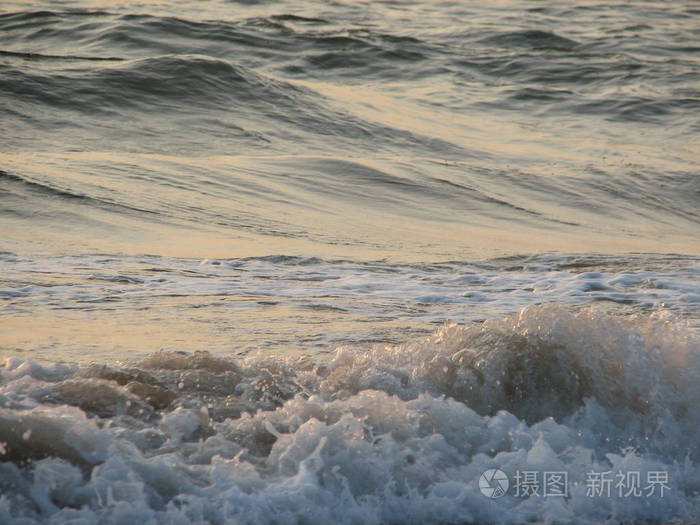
x,y
214,53
239,102
535,39
232,192
319,43
197,80
35,192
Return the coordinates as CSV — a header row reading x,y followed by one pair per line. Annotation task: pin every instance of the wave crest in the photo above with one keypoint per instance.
x,y
391,434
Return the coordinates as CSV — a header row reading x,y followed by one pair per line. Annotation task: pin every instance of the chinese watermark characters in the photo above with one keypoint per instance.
x,y
495,483
627,484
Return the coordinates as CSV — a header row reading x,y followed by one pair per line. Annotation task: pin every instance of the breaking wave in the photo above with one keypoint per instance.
x,y
390,434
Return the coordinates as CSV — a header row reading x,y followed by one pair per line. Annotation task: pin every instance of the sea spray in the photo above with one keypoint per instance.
x,y
389,434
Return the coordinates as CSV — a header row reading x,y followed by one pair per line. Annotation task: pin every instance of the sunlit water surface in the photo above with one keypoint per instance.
x,y
309,192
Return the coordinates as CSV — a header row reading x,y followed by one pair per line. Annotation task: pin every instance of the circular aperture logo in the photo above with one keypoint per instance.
x,y
493,483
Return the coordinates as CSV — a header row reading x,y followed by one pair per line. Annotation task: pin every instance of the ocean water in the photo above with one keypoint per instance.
x,y
278,262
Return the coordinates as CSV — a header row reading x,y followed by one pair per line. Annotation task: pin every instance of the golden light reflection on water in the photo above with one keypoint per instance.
x,y
128,333
325,226
307,222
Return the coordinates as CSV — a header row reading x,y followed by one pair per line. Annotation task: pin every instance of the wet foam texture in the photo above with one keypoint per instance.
x,y
390,434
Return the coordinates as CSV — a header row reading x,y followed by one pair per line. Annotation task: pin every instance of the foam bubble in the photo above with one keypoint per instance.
x,y
388,434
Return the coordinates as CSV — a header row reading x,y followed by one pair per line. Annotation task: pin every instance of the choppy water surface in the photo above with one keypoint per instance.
x,y
312,262
95,307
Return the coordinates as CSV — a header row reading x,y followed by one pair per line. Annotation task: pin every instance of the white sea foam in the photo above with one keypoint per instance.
x,y
284,303
390,434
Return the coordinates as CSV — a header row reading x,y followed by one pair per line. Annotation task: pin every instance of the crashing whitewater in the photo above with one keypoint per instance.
x,y
388,435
